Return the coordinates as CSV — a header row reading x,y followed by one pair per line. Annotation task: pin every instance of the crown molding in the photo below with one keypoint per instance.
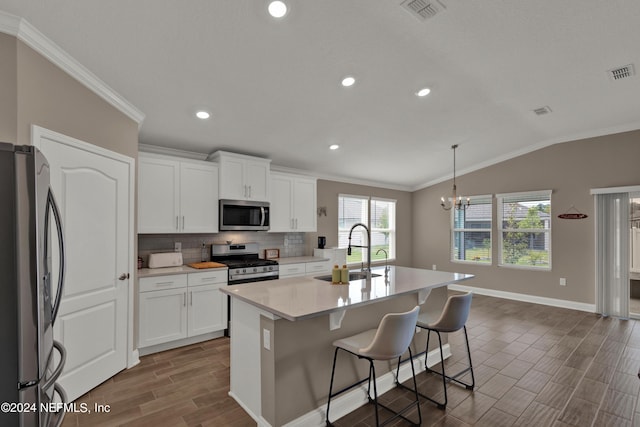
x,y
174,152
28,34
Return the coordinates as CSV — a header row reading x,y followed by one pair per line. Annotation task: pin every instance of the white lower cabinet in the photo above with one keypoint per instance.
x,y
319,267
181,306
163,316
292,270
305,268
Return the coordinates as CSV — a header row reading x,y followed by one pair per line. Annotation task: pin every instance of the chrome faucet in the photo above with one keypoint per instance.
x,y
386,258
360,246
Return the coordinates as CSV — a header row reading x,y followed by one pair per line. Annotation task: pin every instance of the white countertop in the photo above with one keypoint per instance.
x,y
296,298
166,271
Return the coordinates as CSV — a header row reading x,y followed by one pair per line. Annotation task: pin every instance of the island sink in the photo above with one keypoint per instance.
x,y
353,275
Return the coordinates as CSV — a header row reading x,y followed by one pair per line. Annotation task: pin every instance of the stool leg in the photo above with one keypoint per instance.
x,y
375,391
444,376
426,352
473,378
415,386
333,371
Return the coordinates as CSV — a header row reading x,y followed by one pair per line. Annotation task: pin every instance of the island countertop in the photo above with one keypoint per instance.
x,y
298,298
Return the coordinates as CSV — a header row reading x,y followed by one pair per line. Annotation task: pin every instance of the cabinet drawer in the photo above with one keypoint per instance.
x,y
288,270
208,277
319,267
163,282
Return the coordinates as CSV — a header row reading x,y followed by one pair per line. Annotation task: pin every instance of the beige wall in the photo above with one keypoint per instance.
x,y
328,192
570,169
50,98
8,89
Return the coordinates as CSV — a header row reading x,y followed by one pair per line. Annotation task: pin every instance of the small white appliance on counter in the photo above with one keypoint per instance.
x,y
165,259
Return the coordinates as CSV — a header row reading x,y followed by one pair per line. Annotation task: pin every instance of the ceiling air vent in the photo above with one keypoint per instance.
x,y
542,110
423,9
621,72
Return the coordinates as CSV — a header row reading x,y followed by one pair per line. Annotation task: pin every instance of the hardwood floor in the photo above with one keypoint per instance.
x,y
187,386
534,366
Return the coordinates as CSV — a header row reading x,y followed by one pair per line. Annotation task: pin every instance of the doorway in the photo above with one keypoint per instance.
x,y
634,255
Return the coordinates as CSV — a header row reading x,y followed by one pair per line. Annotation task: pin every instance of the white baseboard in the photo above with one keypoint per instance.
x,y
553,302
352,400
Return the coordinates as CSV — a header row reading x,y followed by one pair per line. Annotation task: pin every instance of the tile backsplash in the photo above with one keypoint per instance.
x,y
289,244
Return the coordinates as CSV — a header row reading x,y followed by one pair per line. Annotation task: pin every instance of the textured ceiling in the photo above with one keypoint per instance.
x,y
273,86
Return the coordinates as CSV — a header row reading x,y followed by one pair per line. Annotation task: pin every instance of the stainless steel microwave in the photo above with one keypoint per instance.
x,y
243,215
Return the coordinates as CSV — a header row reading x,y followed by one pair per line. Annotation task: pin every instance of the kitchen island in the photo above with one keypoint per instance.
x,y
282,333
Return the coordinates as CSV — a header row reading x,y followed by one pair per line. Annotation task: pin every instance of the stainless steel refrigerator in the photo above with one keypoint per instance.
x,y
30,360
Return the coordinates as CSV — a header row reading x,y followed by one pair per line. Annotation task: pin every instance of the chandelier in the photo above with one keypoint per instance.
x,y
455,201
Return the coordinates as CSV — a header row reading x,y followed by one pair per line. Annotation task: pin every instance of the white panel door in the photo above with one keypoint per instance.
x,y
198,198
93,189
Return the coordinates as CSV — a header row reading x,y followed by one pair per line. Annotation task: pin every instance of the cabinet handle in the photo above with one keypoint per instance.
x,y
177,226
191,298
296,223
164,283
183,222
184,299
249,191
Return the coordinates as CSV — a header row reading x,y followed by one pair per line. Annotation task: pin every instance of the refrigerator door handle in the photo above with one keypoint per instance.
x,y
56,372
63,398
51,204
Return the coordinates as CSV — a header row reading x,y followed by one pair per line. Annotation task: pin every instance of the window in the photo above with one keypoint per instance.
x,y
524,221
471,236
360,209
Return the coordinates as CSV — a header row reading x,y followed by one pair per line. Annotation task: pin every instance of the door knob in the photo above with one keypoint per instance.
x,y
123,276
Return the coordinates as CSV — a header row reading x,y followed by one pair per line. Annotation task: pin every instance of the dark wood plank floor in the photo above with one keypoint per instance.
x,y
535,366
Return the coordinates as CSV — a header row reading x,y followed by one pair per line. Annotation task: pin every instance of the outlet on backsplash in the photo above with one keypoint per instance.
x,y
177,247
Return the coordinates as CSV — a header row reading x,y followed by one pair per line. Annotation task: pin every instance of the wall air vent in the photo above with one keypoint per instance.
x,y
423,9
622,72
542,110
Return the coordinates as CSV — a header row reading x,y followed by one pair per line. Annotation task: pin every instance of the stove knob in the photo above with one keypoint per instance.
x,y
255,270
244,270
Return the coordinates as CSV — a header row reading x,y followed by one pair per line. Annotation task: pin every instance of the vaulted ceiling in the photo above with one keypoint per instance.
x,y
273,86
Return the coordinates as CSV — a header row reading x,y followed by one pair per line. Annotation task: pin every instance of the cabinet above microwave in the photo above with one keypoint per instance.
x,y
243,177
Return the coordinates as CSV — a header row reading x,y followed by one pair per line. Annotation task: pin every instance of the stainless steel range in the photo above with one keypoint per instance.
x,y
244,263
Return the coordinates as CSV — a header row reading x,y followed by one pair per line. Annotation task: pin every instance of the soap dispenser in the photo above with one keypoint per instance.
x,y
335,275
344,275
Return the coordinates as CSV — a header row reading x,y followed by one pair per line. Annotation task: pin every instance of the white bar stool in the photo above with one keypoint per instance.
x,y
389,341
453,318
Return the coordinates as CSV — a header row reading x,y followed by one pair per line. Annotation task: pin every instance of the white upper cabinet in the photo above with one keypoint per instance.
x,y
243,177
293,203
176,196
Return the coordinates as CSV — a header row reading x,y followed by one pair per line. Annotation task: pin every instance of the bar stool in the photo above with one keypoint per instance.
x,y
389,341
453,318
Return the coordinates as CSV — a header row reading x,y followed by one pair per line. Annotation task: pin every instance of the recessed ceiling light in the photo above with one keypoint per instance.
x,y
334,147
277,9
203,115
423,92
348,81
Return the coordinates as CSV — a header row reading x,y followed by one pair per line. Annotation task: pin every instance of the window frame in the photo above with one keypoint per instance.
x,y
477,200
391,230
523,197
